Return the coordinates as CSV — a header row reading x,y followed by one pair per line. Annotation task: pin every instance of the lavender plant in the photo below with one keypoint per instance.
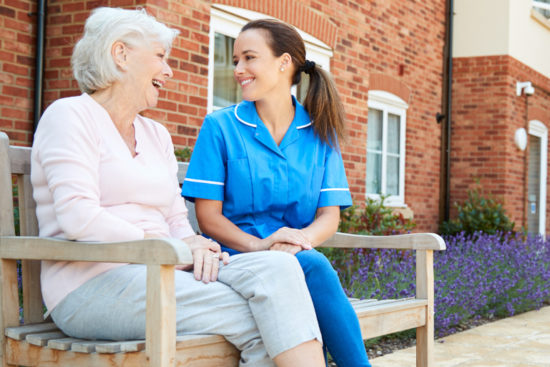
x,y
479,275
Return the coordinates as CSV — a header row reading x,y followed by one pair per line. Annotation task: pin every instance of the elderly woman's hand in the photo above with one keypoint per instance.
x,y
206,258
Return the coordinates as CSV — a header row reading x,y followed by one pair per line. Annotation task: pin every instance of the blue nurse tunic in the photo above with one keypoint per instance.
x,y
264,186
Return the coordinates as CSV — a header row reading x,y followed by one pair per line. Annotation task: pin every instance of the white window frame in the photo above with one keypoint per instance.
x,y
541,5
229,20
538,10
538,129
390,103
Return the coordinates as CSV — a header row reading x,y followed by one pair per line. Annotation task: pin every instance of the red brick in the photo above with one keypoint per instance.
x,y
16,69
18,4
7,12
17,25
14,91
6,124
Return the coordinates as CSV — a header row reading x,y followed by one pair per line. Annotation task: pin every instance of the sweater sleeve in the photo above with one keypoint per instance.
x,y
67,153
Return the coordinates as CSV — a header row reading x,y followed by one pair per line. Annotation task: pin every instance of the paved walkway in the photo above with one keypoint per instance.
x,y
519,341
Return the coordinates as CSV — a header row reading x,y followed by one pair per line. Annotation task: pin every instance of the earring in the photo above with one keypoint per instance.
x,y
282,68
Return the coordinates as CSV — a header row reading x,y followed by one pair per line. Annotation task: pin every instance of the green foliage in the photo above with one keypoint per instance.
x,y
183,155
374,219
15,210
478,214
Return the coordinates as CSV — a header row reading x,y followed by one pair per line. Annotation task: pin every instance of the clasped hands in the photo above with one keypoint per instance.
x,y
286,239
207,254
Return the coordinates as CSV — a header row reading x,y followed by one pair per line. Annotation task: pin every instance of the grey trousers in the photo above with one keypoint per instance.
x,y
260,303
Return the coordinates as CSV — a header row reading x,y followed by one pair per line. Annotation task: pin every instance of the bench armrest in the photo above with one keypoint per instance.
x,y
414,241
147,251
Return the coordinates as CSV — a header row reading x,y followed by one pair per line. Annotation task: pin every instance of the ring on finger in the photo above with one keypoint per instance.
x,y
216,255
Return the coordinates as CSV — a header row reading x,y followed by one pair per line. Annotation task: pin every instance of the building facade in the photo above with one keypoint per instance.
x,y
501,105
386,57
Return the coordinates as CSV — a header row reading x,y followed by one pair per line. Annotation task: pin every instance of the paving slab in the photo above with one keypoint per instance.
x,y
518,341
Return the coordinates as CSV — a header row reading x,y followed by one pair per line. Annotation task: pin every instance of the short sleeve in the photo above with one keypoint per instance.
x,y
205,178
334,190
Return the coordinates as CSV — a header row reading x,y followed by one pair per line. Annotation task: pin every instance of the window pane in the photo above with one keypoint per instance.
x,y
374,173
226,90
394,129
374,130
392,176
543,11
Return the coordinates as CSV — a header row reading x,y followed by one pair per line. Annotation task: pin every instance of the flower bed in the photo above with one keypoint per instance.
x,y
477,276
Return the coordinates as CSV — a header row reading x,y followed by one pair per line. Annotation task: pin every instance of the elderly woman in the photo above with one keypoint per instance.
x,y
102,172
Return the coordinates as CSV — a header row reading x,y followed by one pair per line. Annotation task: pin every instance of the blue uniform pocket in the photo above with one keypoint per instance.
x,y
304,198
238,189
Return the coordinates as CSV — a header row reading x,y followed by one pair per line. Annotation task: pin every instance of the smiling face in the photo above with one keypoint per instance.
x,y
257,70
147,72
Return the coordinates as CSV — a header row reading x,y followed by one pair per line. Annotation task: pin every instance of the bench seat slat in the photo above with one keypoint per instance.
x,y
122,346
88,346
61,344
42,339
20,332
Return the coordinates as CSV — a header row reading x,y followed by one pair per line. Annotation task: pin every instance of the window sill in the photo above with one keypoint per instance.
x,y
540,18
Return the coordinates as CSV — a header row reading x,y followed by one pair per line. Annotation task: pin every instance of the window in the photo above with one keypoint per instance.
x,y
386,147
226,22
542,7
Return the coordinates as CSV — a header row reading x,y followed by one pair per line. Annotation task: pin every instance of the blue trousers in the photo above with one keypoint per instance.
x,y
337,319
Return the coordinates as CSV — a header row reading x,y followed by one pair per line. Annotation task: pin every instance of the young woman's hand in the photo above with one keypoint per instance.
x,y
206,258
286,247
286,235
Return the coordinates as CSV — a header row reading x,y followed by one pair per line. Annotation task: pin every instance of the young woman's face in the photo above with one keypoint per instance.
x,y
257,70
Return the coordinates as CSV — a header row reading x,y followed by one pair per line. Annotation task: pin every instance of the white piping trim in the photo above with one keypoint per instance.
x,y
241,120
303,126
205,182
342,189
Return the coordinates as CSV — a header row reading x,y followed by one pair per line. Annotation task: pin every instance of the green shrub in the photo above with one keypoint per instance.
x,y
478,214
15,209
374,219
183,155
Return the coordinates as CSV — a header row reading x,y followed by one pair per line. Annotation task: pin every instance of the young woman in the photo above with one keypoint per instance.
x,y
267,174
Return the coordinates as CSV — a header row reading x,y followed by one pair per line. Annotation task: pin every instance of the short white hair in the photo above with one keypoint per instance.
x,y
93,67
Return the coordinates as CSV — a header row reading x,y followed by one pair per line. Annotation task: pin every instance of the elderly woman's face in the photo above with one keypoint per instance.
x,y
147,72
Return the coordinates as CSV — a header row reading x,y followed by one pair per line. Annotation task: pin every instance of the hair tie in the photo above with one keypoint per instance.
x,y
308,67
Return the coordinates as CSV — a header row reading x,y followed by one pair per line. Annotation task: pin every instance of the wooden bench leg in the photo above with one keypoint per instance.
x,y
160,342
9,304
425,290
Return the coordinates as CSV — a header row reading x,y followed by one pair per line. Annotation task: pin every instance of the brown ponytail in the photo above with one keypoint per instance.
x,y
322,100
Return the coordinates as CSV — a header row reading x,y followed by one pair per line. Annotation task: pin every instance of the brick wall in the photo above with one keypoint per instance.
x,y
400,42
17,69
486,114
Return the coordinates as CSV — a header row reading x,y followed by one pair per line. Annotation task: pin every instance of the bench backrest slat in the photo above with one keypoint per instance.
x,y
6,199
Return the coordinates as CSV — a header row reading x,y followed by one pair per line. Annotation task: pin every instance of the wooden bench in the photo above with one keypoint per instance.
x,y
39,343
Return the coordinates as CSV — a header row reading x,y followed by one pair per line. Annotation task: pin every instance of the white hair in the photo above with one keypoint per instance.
x,y
93,67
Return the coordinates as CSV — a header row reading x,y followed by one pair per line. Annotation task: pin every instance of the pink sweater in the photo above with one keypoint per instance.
x,y
88,187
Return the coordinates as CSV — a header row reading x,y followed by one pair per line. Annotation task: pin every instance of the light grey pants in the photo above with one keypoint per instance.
x,y
260,303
